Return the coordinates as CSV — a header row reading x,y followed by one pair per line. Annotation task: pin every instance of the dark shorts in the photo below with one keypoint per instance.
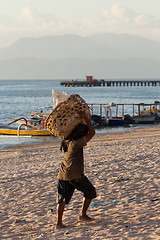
x,y
66,189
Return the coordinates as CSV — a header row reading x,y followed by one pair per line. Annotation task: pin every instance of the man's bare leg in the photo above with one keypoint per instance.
x,y
83,215
60,210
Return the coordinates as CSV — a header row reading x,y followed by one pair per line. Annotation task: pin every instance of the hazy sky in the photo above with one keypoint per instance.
x,y
36,18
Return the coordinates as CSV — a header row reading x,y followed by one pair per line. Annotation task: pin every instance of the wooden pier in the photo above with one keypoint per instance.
x,y
110,83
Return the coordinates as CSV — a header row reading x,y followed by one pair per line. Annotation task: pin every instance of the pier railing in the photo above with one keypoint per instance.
x,y
120,110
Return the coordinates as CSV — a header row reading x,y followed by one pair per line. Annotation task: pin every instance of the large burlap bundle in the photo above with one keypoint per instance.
x,y
64,118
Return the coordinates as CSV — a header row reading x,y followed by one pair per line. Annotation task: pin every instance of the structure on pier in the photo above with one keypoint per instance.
x,y
90,82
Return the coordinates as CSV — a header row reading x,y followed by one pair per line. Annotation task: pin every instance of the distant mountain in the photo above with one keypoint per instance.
x,y
57,47
129,45
72,56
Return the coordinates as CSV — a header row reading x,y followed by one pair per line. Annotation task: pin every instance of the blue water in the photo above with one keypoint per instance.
x,y
21,97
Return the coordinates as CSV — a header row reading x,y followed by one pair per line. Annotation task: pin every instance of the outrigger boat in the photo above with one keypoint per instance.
x,y
5,130
153,110
35,124
23,129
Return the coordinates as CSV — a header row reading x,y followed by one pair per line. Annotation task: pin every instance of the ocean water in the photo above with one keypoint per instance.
x,y
18,98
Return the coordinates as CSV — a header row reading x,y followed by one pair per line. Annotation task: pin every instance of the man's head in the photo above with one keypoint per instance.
x,y
80,131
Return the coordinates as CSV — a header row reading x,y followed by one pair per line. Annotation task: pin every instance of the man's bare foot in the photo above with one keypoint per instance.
x,y
85,218
59,226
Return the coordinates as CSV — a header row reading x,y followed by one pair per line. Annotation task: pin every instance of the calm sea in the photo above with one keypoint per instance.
x,y
18,98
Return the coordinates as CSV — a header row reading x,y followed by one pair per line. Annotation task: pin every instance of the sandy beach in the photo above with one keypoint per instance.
x,y
124,167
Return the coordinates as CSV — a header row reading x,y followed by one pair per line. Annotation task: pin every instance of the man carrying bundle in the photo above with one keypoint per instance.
x,y
71,174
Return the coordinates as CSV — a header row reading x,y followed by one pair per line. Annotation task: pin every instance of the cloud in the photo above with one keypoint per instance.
x,y
118,19
118,15
118,12
26,16
142,20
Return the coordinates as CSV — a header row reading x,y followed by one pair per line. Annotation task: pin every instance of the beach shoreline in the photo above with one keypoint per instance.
x,y
123,166
12,141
